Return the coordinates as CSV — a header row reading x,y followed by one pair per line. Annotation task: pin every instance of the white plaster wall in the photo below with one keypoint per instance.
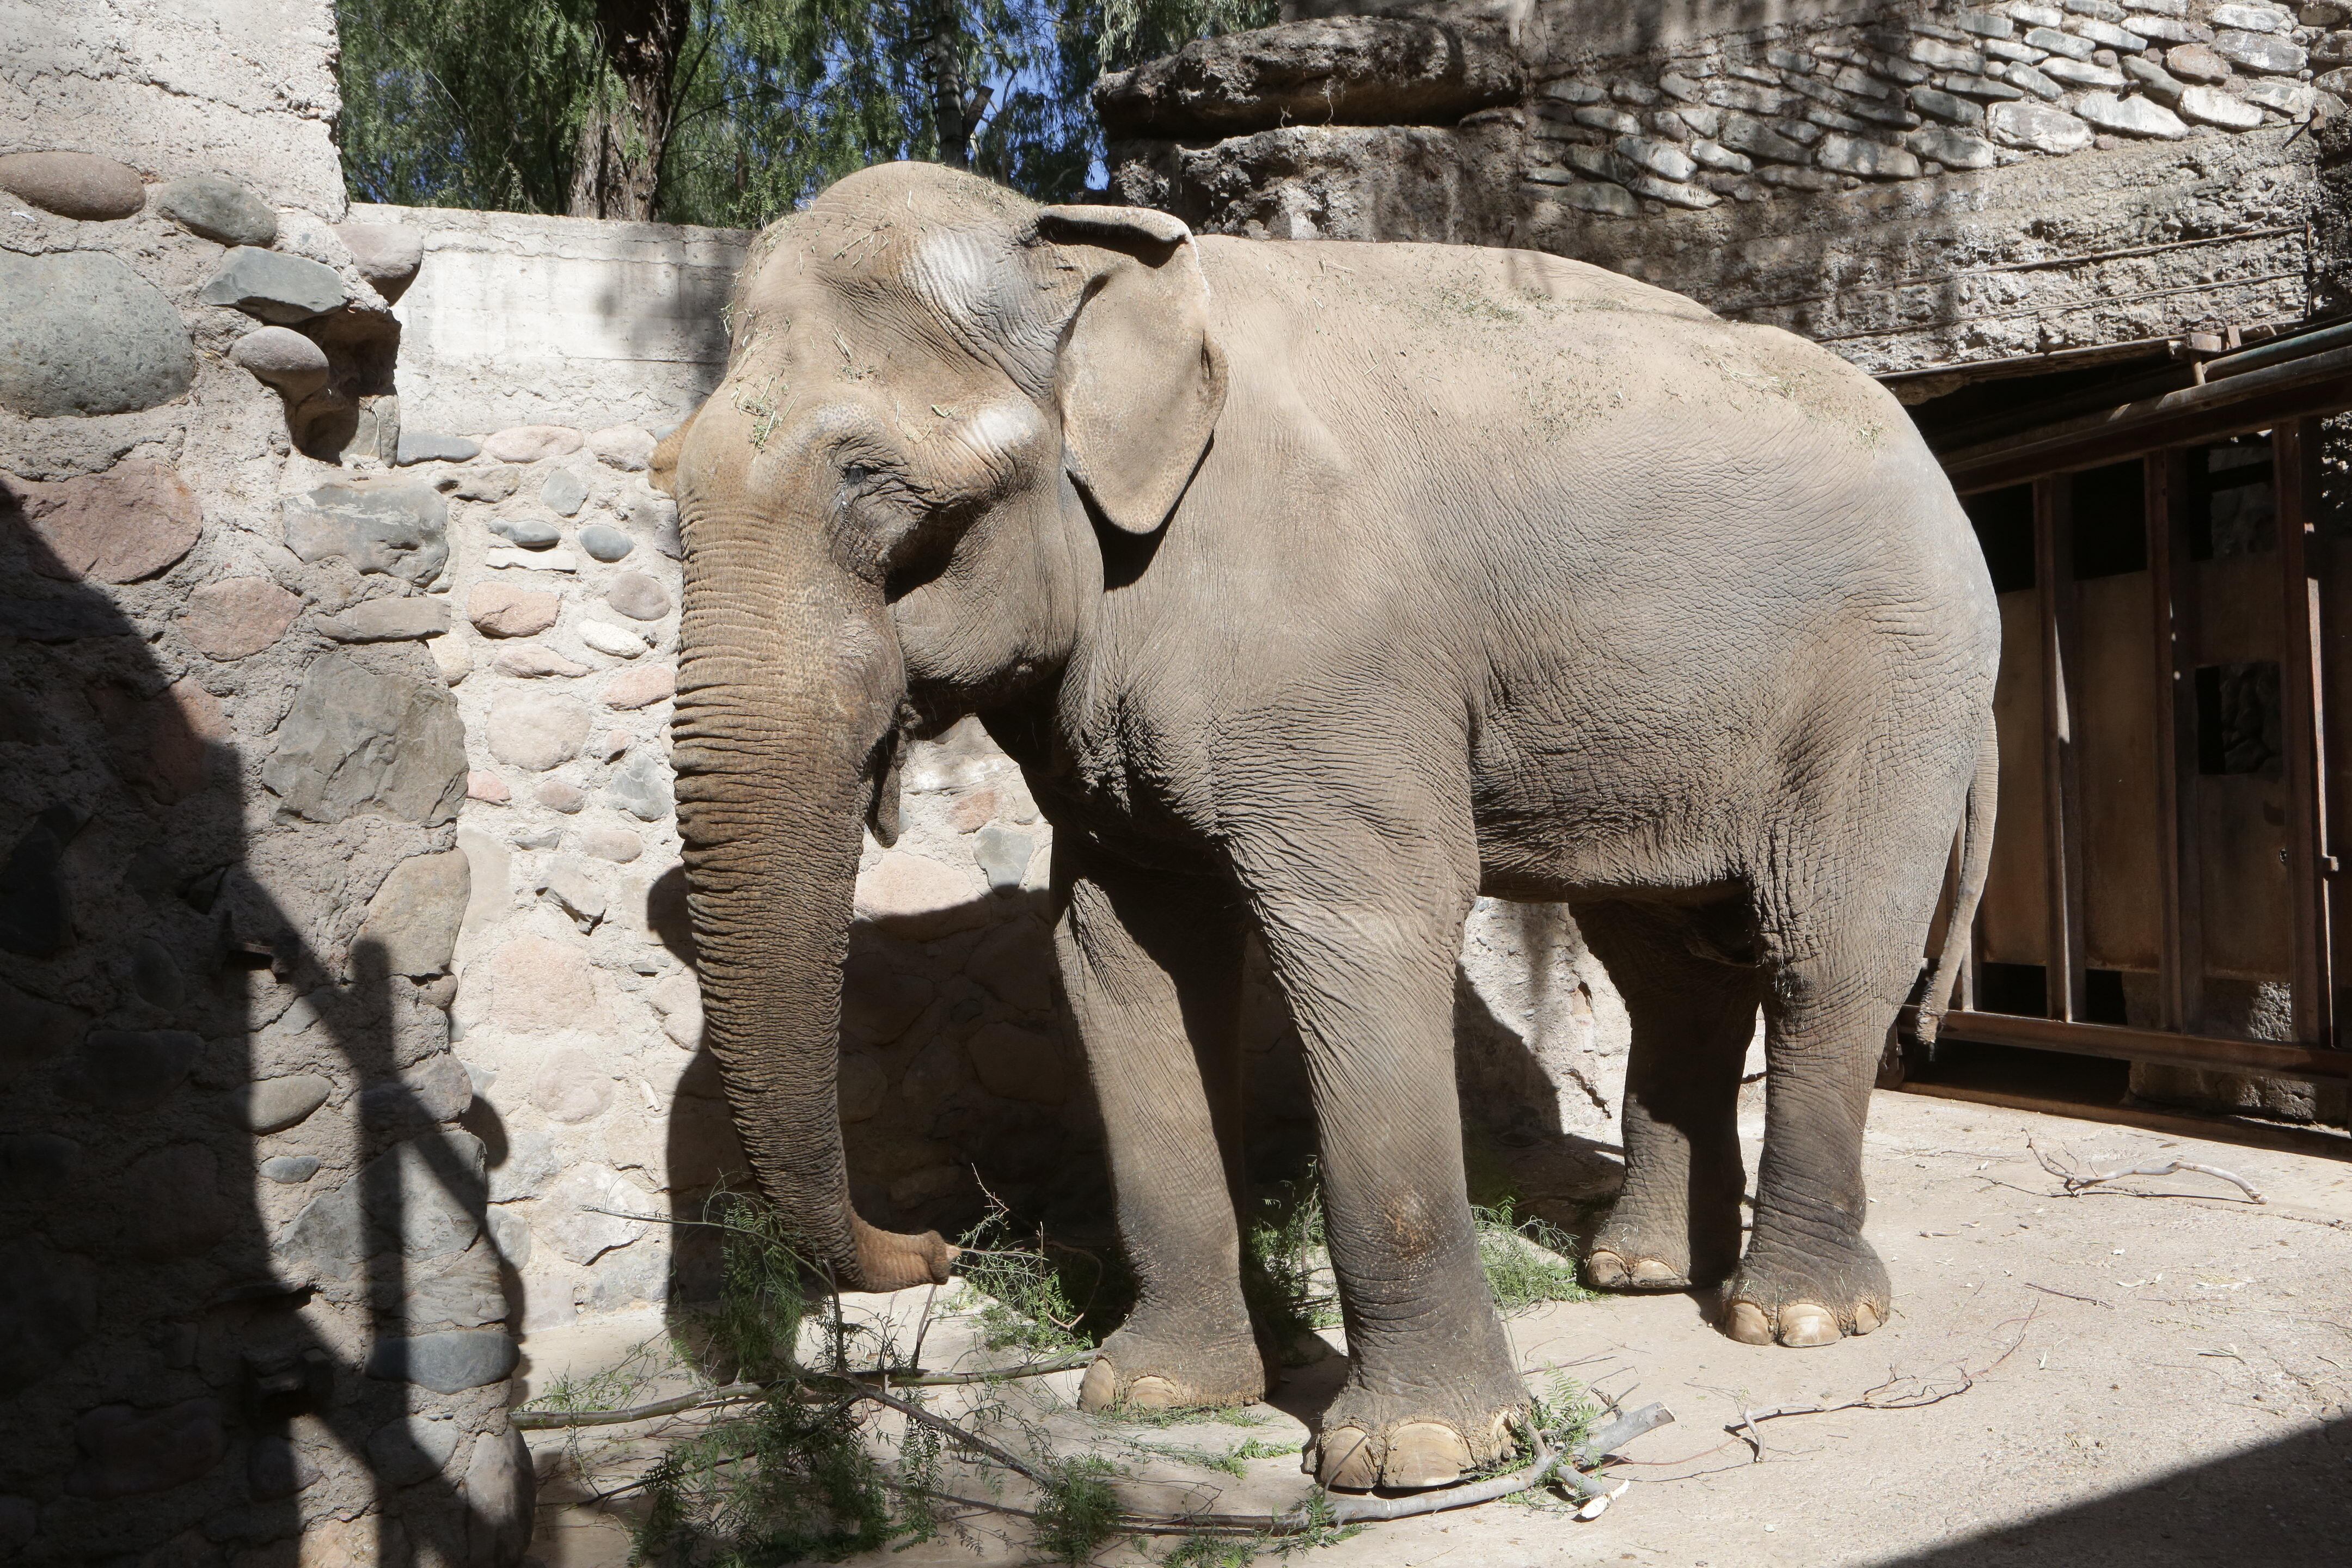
x,y
517,319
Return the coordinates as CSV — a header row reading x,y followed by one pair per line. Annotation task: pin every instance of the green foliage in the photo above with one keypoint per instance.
x,y
1527,1261
1212,1552
471,103
793,1481
1078,1515
1282,1257
754,1329
1048,1299
1235,1461
1565,1411
481,103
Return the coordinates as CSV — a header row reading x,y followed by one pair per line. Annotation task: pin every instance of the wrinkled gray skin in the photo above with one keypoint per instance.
x,y
1318,589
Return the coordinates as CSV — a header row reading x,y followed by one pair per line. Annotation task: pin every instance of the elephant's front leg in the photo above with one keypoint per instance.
x,y
1153,968
1362,935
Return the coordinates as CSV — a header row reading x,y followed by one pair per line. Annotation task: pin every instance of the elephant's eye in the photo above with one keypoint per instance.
x,y
855,475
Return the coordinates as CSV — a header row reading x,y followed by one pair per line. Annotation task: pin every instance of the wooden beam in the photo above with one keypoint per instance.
x,y
2299,1062
2317,384
2294,448
2172,582
2054,578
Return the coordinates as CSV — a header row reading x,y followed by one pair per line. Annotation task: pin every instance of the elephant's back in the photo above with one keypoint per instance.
x,y
1541,393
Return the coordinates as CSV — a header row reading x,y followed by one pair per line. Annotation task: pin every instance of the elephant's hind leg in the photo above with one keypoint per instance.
x,y
1153,976
1809,1278
1677,1221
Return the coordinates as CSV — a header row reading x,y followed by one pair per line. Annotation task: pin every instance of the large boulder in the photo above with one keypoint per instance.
x,y
1420,182
218,209
49,1305
81,333
1344,70
274,287
356,742
126,1451
130,522
73,184
413,917
401,529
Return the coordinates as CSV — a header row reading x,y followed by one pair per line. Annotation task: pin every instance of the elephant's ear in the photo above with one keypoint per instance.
x,y
661,468
1139,380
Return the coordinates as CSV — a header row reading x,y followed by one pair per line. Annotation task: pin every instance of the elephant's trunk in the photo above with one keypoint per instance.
x,y
789,682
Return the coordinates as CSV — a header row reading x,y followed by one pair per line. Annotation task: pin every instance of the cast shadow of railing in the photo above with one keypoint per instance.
x,y
193,1374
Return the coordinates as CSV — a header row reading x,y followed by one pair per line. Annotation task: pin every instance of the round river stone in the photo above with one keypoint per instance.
x,y
82,334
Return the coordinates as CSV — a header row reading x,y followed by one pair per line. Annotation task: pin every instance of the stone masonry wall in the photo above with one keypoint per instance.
x,y
249,1314
1918,185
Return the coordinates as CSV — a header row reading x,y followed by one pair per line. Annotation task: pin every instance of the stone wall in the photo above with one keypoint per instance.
x,y
1918,185
248,1312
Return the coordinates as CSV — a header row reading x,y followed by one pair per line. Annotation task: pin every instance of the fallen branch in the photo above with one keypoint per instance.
x,y
2070,1296
1546,1469
735,1393
1895,1394
2082,1179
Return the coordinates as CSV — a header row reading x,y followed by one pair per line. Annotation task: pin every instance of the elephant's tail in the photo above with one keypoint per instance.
x,y
1919,1023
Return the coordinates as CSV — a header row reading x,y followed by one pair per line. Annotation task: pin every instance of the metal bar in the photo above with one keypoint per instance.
x,y
2054,579
2279,351
2171,592
2319,383
2298,1062
2294,450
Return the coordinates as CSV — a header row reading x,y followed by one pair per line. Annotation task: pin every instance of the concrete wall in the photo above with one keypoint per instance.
x,y
520,320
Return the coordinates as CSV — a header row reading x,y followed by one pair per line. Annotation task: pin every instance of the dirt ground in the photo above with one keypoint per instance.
x,y
2153,1372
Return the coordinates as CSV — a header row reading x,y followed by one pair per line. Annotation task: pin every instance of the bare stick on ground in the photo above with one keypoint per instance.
x,y
2081,1178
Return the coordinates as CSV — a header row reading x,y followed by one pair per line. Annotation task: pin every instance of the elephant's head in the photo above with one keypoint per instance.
x,y
936,393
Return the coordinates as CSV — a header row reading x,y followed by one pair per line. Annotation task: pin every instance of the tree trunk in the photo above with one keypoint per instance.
x,y
953,109
618,170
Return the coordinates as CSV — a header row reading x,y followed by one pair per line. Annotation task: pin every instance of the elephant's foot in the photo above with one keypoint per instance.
x,y
1628,1255
1784,1295
1140,1369
1410,1441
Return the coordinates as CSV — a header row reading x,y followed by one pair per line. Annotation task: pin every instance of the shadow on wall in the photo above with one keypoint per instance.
x,y
246,1283
962,1078
960,1081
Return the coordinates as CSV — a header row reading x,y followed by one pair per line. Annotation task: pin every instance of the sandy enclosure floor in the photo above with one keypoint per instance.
x,y
2152,1373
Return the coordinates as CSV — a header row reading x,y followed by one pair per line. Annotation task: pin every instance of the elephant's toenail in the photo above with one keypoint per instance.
x,y
1804,1325
1650,1271
1866,1318
1605,1270
1425,1453
1348,1459
1746,1322
1153,1394
1100,1387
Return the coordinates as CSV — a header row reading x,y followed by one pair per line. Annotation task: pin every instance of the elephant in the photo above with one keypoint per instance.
x,y
1318,589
